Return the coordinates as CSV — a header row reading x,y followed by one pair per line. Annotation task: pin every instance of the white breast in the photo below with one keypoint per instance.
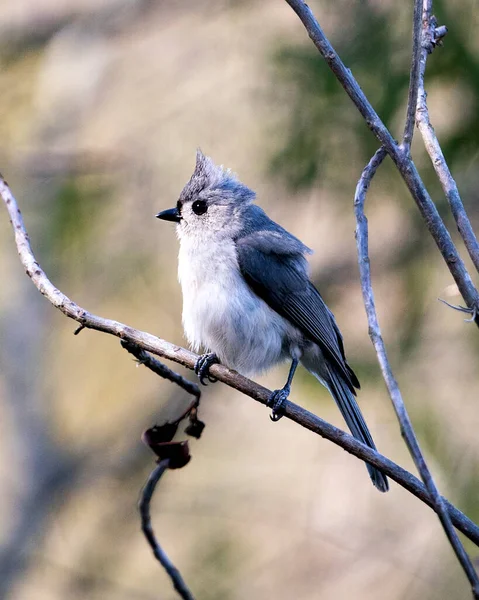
x,y
222,314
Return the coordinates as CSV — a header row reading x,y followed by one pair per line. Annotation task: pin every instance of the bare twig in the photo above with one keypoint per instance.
x,y
162,370
401,159
195,427
407,430
365,180
414,77
144,508
160,347
430,36
463,309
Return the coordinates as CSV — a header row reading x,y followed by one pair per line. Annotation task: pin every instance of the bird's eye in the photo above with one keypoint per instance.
x,y
199,207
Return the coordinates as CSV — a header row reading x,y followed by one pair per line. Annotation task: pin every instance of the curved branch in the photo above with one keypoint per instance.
x,y
179,355
144,508
400,157
407,430
433,148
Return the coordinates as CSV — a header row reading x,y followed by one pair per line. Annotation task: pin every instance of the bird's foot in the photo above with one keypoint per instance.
x,y
202,367
276,402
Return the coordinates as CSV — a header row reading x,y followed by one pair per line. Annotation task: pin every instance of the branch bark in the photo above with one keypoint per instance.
x,y
407,430
430,36
144,508
400,157
184,357
162,370
414,77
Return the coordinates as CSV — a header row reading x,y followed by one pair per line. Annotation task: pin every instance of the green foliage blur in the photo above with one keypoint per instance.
x,y
321,123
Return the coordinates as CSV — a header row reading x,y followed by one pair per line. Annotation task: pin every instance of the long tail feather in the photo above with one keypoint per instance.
x,y
351,412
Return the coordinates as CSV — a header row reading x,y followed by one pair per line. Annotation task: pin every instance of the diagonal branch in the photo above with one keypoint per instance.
x,y
407,430
144,508
401,159
179,355
195,427
430,37
162,370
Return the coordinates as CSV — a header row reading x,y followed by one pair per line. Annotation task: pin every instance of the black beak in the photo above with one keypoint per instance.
x,y
171,214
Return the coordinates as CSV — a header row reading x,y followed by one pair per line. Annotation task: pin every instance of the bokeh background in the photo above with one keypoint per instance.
x,y
103,104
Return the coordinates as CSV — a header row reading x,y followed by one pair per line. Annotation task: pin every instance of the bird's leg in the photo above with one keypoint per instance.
x,y
202,367
279,397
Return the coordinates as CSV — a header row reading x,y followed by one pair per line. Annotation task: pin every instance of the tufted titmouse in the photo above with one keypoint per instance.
x,y
247,296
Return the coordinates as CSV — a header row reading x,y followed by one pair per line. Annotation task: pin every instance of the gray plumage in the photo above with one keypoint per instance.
x,y
247,295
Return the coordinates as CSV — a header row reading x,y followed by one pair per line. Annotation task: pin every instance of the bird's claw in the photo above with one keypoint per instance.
x,y
202,367
276,402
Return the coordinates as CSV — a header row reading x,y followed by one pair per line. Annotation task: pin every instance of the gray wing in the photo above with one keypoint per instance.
x,y
273,265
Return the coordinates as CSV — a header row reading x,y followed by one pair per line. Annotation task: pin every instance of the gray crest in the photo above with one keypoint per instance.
x,y
216,180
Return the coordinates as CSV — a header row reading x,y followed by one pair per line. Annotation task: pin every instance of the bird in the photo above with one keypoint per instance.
x,y
248,299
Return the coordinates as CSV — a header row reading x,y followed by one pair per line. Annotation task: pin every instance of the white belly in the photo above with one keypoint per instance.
x,y
221,313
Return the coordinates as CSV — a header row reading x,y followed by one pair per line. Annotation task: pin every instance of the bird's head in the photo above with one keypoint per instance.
x,y
211,202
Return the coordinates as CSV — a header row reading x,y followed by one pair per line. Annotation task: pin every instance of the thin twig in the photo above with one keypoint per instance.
x,y
401,159
162,370
429,40
414,77
195,427
144,508
405,423
184,357
463,309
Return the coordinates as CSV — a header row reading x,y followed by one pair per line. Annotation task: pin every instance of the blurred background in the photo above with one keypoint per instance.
x,y
103,104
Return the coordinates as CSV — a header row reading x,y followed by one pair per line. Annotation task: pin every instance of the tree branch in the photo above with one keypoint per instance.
x,y
162,370
430,36
407,430
144,508
401,159
179,355
414,77
195,427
